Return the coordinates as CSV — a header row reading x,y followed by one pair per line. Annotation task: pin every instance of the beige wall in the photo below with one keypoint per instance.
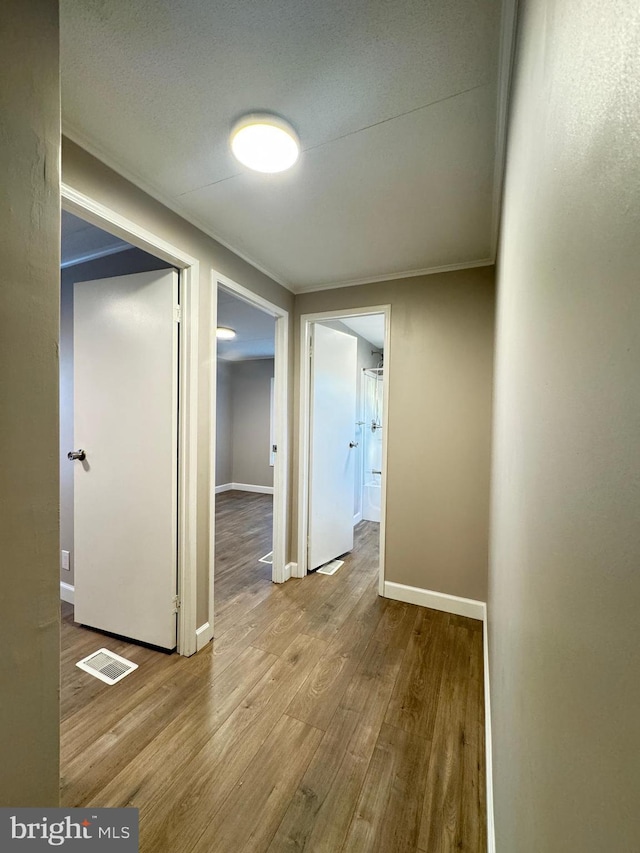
x,y
439,370
122,263
224,425
86,174
251,407
243,415
30,251
565,568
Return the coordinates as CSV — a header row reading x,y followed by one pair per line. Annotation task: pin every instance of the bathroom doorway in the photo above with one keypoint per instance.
x,y
343,420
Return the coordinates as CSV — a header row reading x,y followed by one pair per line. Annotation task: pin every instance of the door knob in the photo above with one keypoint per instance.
x,y
353,444
80,455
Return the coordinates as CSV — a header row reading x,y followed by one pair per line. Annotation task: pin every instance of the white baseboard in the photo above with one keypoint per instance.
x,y
244,487
357,518
204,634
491,832
436,600
288,571
294,570
67,592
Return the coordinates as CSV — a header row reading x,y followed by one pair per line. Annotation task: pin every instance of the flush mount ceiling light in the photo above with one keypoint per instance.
x,y
265,143
223,333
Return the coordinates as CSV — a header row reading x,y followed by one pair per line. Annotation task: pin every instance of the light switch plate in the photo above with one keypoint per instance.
x,y
64,561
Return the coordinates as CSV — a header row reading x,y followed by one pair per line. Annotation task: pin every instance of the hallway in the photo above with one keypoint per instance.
x,y
322,717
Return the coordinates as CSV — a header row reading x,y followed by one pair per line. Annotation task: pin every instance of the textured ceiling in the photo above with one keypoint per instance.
x,y
255,329
394,102
81,241
369,326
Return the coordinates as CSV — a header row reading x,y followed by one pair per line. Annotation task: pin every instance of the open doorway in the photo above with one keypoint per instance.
x,y
248,519
244,471
118,435
343,427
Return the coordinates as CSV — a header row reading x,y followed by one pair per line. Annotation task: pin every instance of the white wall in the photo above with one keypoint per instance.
x,y
565,548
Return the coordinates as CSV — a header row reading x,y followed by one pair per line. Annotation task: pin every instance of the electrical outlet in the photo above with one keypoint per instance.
x,y
64,562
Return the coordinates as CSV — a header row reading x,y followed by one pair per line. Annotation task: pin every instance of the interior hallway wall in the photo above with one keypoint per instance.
x,y
565,566
122,263
29,488
440,375
224,424
251,414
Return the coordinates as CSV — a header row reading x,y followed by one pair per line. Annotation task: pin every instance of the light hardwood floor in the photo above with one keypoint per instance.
x,y
321,718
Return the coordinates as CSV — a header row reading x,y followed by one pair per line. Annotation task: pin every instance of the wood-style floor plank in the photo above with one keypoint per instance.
x,y
441,828
201,788
387,815
320,813
321,718
251,813
414,702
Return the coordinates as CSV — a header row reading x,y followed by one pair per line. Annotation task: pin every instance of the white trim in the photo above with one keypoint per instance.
x,y
306,321
281,427
204,635
293,567
393,276
289,571
67,592
436,600
488,747
96,151
187,530
244,487
357,518
508,18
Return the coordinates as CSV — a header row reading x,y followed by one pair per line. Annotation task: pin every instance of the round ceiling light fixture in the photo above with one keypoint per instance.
x,y
224,333
265,142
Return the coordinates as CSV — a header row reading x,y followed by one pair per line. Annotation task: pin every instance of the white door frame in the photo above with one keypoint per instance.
x,y
190,297
281,570
306,321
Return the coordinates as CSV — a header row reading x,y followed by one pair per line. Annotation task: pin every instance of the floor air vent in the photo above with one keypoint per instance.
x,y
330,568
107,666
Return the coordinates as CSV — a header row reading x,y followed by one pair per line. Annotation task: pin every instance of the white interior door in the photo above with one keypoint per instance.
x,y
125,419
332,459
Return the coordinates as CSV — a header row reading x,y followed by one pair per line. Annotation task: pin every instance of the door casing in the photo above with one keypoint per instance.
x,y
306,323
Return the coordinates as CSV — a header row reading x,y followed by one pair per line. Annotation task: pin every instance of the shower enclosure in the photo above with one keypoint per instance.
x,y
371,424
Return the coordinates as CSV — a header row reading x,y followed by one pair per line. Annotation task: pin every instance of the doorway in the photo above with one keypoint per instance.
x,y
248,448
119,435
244,453
344,394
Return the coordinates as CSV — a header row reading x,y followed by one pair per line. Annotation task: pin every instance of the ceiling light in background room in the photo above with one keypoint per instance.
x,y
223,333
265,143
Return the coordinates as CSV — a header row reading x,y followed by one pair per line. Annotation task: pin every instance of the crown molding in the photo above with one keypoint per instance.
x,y
508,22
394,276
